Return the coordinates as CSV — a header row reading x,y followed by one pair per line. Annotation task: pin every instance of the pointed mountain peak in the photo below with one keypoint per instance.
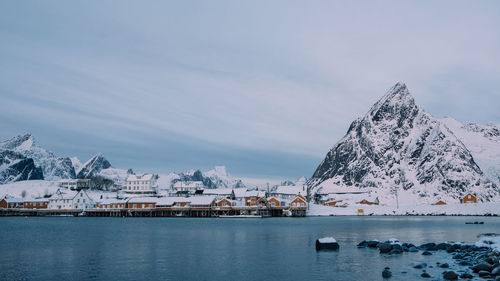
x,y
19,143
397,104
397,94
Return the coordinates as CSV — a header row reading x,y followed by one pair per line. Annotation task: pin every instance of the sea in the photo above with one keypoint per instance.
x,y
84,248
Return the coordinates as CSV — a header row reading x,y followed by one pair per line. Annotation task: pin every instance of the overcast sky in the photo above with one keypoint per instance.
x,y
263,87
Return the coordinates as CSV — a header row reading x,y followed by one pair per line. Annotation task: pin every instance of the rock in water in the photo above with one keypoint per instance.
x,y
327,243
450,275
384,248
386,273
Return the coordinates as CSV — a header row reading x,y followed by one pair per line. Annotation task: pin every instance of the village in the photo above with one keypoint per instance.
x,y
140,197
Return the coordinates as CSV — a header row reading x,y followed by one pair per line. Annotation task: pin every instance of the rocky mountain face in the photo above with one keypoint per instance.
x,y
24,147
93,166
16,167
397,147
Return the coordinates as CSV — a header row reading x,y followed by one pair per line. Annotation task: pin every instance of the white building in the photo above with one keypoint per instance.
x,y
66,200
83,201
75,184
289,192
189,186
141,184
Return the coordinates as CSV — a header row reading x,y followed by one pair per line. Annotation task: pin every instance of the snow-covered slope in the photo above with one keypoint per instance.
x,y
53,168
93,166
222,179
399,146
483,142
16,167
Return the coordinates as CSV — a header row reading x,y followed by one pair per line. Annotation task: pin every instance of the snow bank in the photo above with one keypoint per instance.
x,y
479,209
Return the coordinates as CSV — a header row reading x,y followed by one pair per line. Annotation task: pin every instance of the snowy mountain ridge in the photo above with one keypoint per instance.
x,y
53,168
397,147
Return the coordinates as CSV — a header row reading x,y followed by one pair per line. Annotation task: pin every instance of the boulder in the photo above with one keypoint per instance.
x,y
496,271
420,265
425,275
386,273
384,248
363,244
466,276
427,246
484,274
372,244
426,253
444,265
443,246
327,243
412,250
482,267
450,275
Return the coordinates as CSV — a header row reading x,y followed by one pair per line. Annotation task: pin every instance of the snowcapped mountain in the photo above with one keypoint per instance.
x,y
222,179
398,147
483,141
53,168
93,166
16,167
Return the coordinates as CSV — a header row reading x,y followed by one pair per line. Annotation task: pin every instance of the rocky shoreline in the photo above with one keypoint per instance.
x,y
474,260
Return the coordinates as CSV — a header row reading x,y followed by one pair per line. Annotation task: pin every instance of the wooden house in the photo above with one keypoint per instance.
x,y
299,202
469,198
366,202
141,203
12,203
111,204
40,203
223,203
274,202
440,202
332,202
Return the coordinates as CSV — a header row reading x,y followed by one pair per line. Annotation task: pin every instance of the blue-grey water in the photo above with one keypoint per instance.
x,y
67,248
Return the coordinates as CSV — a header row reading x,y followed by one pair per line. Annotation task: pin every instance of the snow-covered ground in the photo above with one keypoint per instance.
x,y
479,209
32,189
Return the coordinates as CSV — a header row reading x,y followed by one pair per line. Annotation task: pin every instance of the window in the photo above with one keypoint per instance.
x,y
135,206
273,204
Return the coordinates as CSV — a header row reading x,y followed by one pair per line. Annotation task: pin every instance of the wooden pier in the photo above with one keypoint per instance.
x,y
206,212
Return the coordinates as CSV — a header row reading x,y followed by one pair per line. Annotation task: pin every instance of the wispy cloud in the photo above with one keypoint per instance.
x,y
225,81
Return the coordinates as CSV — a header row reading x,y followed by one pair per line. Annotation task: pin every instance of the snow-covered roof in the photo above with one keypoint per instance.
x,y
143,200
14,200
196,200
37,200
63,195
218,191
111,201
255,193
144,177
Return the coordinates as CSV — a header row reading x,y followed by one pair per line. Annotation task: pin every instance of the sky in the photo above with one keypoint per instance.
x,y
263,87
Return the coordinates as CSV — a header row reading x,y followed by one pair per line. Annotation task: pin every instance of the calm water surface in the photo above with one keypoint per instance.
x,y
67,248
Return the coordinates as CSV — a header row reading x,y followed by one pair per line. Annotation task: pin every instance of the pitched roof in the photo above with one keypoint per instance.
x,y
144,177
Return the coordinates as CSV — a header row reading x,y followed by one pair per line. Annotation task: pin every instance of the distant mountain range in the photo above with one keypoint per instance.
x,y
21,159
398,147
